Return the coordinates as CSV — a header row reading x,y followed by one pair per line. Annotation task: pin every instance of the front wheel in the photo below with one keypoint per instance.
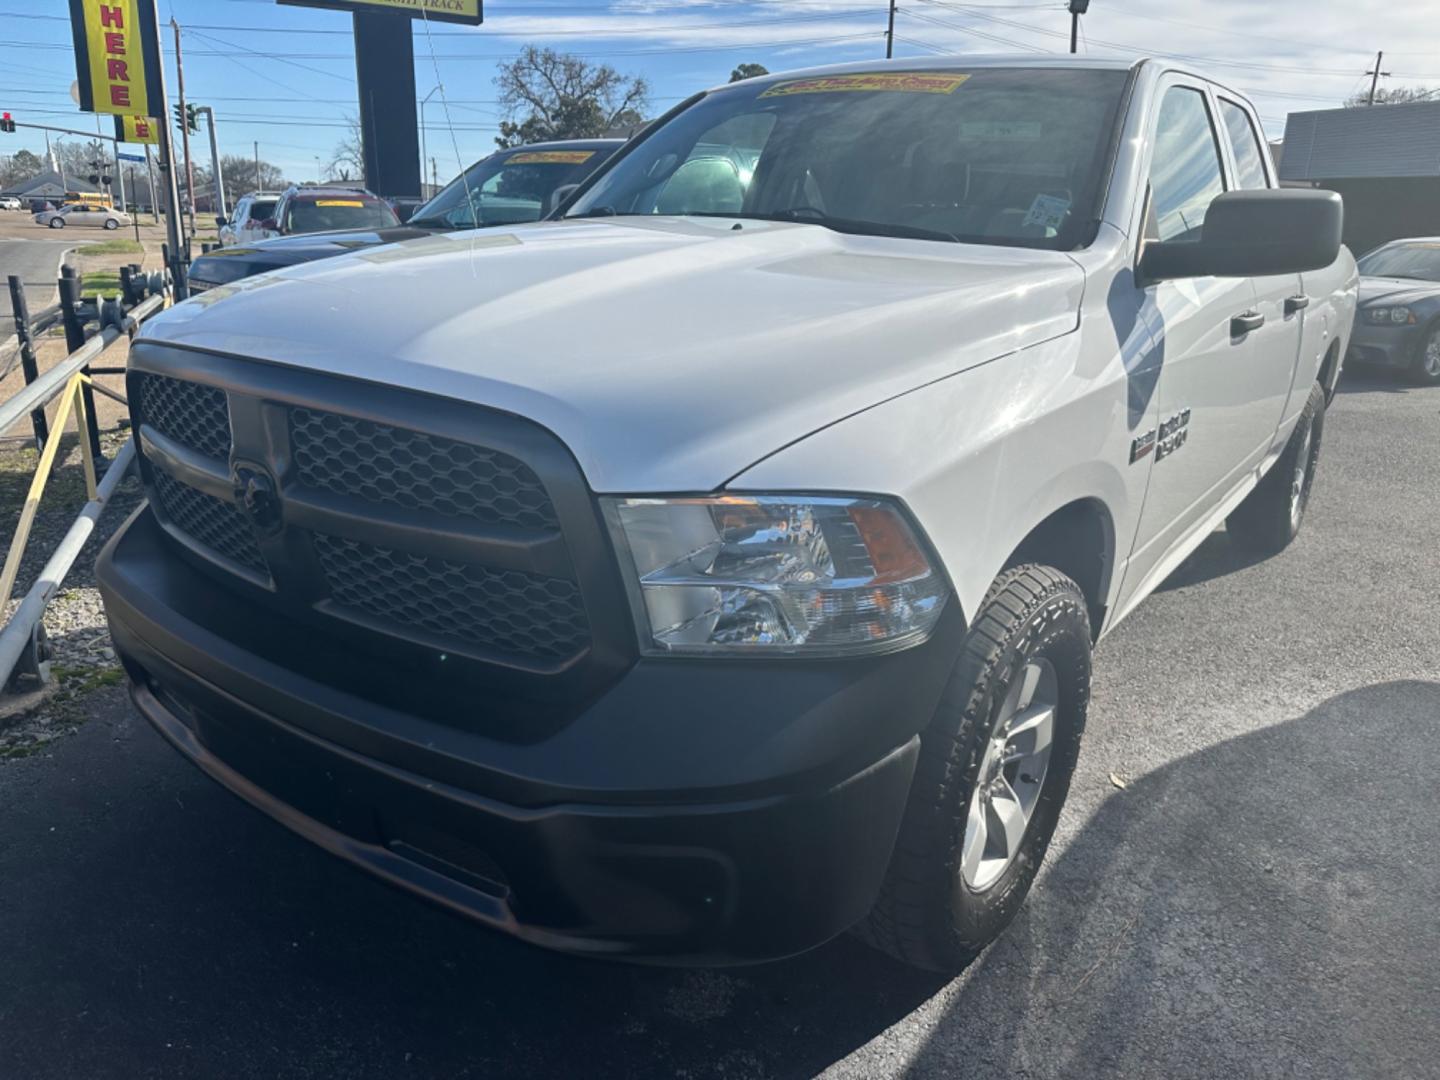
x,y
111,223
57,223
1271,515
993,771
1426,369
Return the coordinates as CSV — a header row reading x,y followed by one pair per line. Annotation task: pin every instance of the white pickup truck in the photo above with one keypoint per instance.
x,y
715,567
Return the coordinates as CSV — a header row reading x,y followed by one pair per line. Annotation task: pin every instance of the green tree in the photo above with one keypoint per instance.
x,y
21,166
748,71
550,95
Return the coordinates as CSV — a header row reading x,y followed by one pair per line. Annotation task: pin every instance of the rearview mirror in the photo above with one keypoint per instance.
x,y
1253,234
559,195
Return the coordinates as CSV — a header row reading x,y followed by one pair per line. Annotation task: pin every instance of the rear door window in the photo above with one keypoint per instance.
x,y
1245,143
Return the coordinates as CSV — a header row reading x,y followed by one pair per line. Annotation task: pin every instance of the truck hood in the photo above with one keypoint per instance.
x,y
668,354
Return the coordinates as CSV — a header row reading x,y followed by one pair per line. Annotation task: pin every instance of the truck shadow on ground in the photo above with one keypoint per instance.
x,y
1249,906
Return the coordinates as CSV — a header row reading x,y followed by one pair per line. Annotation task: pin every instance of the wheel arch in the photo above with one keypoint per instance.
x,y
1078,539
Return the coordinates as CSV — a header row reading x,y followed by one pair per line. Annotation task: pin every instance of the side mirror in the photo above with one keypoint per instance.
x,y
1253,234
559,195
220,222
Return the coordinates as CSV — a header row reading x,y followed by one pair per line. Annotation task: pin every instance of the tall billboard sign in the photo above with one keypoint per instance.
x,y
470,12
117,56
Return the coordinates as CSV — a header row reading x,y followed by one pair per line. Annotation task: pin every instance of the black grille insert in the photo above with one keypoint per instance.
x,y
216,524
503,610
192,414
385,464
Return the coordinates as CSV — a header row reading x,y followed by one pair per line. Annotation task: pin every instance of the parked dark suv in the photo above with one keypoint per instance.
x,y
506,188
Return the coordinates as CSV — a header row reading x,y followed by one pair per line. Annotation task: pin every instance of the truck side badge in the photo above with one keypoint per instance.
x,y
1142,446
1174,433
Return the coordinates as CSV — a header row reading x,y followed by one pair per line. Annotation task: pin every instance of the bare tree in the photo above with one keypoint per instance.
x,y
347,162
551,95
1392,95
748,71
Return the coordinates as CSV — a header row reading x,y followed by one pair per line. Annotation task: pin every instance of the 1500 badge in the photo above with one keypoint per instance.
x,y
1173,434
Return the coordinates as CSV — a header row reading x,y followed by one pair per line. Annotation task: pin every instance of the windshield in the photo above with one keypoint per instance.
x,y
1404,261
339,212
509,187
1006,156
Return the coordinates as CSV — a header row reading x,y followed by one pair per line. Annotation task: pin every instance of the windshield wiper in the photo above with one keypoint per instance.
x,y
810,215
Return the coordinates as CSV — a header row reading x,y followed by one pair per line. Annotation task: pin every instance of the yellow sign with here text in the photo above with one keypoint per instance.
x,y
117,56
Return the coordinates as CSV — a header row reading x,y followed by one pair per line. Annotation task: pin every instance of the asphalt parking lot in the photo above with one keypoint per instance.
x,y
1243,884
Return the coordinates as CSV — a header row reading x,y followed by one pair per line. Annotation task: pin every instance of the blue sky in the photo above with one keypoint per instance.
x,y
284,76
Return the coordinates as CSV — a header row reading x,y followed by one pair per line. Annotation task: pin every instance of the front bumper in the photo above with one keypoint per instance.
x,y
1384,346
694,812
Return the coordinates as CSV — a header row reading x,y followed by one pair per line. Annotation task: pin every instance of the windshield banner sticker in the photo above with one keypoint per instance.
x,y
338,202
552,157
1047,211
904,82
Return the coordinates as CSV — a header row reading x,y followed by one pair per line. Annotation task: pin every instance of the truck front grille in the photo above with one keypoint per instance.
x,y
192,414
385,464
438,539
214,523
505,610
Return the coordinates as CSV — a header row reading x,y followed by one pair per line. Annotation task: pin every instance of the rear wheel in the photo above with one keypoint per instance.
x,y
1271,515
994,769
1426,369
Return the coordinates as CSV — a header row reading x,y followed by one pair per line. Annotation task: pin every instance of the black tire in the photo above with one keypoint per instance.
x,y
1426,369
57,223
111,223
1271,515
927,914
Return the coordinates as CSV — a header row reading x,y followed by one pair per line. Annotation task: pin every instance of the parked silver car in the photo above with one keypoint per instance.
x,y
104,217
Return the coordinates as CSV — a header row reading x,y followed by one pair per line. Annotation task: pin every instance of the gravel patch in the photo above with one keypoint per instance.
x,y
83,660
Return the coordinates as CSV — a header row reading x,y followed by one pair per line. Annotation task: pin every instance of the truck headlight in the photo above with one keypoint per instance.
x,y
1396,316
771,574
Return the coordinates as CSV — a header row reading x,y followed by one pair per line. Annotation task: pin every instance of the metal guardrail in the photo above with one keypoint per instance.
x,y
23,652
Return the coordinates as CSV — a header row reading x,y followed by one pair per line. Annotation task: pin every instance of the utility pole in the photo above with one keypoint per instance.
x,y
1375,77
184,124
257,164
178,268
890,34
135,220
1077,8
217,181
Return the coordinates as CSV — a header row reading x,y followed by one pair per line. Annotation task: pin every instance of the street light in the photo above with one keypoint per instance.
x,y
1077,8
423,155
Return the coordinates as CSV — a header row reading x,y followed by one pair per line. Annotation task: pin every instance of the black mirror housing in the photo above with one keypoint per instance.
x,y
1253,234
219,222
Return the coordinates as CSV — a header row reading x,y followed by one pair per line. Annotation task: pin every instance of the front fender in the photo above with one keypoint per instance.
x,y
983,457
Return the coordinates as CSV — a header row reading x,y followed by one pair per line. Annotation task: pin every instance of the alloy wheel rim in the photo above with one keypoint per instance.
x,y
1299,483
1012,775
1432,355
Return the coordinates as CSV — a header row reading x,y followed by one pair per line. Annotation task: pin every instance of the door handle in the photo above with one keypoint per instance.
x,y
1296,303
1242,324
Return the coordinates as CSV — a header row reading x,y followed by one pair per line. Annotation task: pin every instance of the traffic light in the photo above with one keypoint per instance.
x,y
189,120
6,124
